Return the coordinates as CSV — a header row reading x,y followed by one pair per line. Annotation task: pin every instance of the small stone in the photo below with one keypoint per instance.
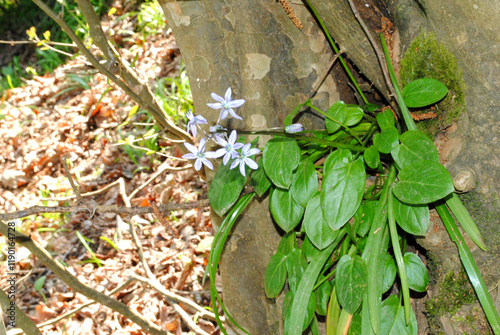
x,y
465,181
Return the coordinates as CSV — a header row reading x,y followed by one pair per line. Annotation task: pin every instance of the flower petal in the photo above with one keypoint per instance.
x,y
234,164
207,163
237,146
227,96
226,158
242,168
215,105
189,156
219,153
251,164
191,148
197,164
232,137
252,152
233,114
236,103
223,114
218,98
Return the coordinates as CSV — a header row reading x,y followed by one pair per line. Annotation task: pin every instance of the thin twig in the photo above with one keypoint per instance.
x,y
19,316
75,310
104,209
159,115
62,273
174,297
378,52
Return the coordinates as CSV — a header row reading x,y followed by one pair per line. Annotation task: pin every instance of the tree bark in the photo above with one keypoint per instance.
x,y
254,48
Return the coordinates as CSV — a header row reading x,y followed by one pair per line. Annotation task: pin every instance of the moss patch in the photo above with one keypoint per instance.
x,y
425,58
454,291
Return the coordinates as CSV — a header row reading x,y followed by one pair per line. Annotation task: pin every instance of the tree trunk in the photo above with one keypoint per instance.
x,y
254,48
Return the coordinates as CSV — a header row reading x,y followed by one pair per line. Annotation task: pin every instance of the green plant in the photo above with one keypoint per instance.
x,y
352,235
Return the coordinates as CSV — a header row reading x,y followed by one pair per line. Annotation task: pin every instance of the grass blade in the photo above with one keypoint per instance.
x,y
293,325
458,209
216,252
471,268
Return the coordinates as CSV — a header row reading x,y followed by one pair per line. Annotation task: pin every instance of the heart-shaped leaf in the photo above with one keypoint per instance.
x,y
415,146
350,282
275,276
336,112
423,182
386,141
225,189
304,182
286,212
372,157
393,318
413,219
259,180
342,189
281,156
390,271
418,278
386,120
423,92
354,115
317,230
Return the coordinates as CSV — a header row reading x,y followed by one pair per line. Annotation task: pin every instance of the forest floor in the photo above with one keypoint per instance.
x,y
81,118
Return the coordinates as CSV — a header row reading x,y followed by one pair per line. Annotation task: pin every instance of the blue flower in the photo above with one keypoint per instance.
x,y
244,158
199,154
294,128
226,105
194,121
229,148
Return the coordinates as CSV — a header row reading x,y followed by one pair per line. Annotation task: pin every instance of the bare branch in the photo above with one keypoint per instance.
x,y
21,319
41,254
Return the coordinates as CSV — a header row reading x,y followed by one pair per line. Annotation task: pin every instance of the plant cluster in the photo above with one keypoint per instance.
x,y
347,199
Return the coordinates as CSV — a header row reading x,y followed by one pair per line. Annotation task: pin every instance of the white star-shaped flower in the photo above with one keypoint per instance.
x,y
229,147
244,158
199,154
194,121
226,105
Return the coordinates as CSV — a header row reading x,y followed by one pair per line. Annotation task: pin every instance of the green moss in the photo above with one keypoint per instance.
x,y
425,58
454,291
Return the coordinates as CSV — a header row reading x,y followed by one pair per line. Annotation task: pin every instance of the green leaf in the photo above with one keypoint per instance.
x,y
294,326
309,249
274,279
286,212
393,319
423,92
355,327
390,271
372,157
304,182
336,112
342,188
415,146
38,285
423,182
367,217
386,141
413,219
317,230
418,279
351,281
259,180
281,156
386,120
225,189
287,305
354,115
296,265
322,297
287,243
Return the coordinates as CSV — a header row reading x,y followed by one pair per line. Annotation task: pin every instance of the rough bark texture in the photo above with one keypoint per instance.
x,y
253,47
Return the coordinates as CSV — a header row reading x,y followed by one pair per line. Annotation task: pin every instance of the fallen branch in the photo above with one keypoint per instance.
x,y
60,271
